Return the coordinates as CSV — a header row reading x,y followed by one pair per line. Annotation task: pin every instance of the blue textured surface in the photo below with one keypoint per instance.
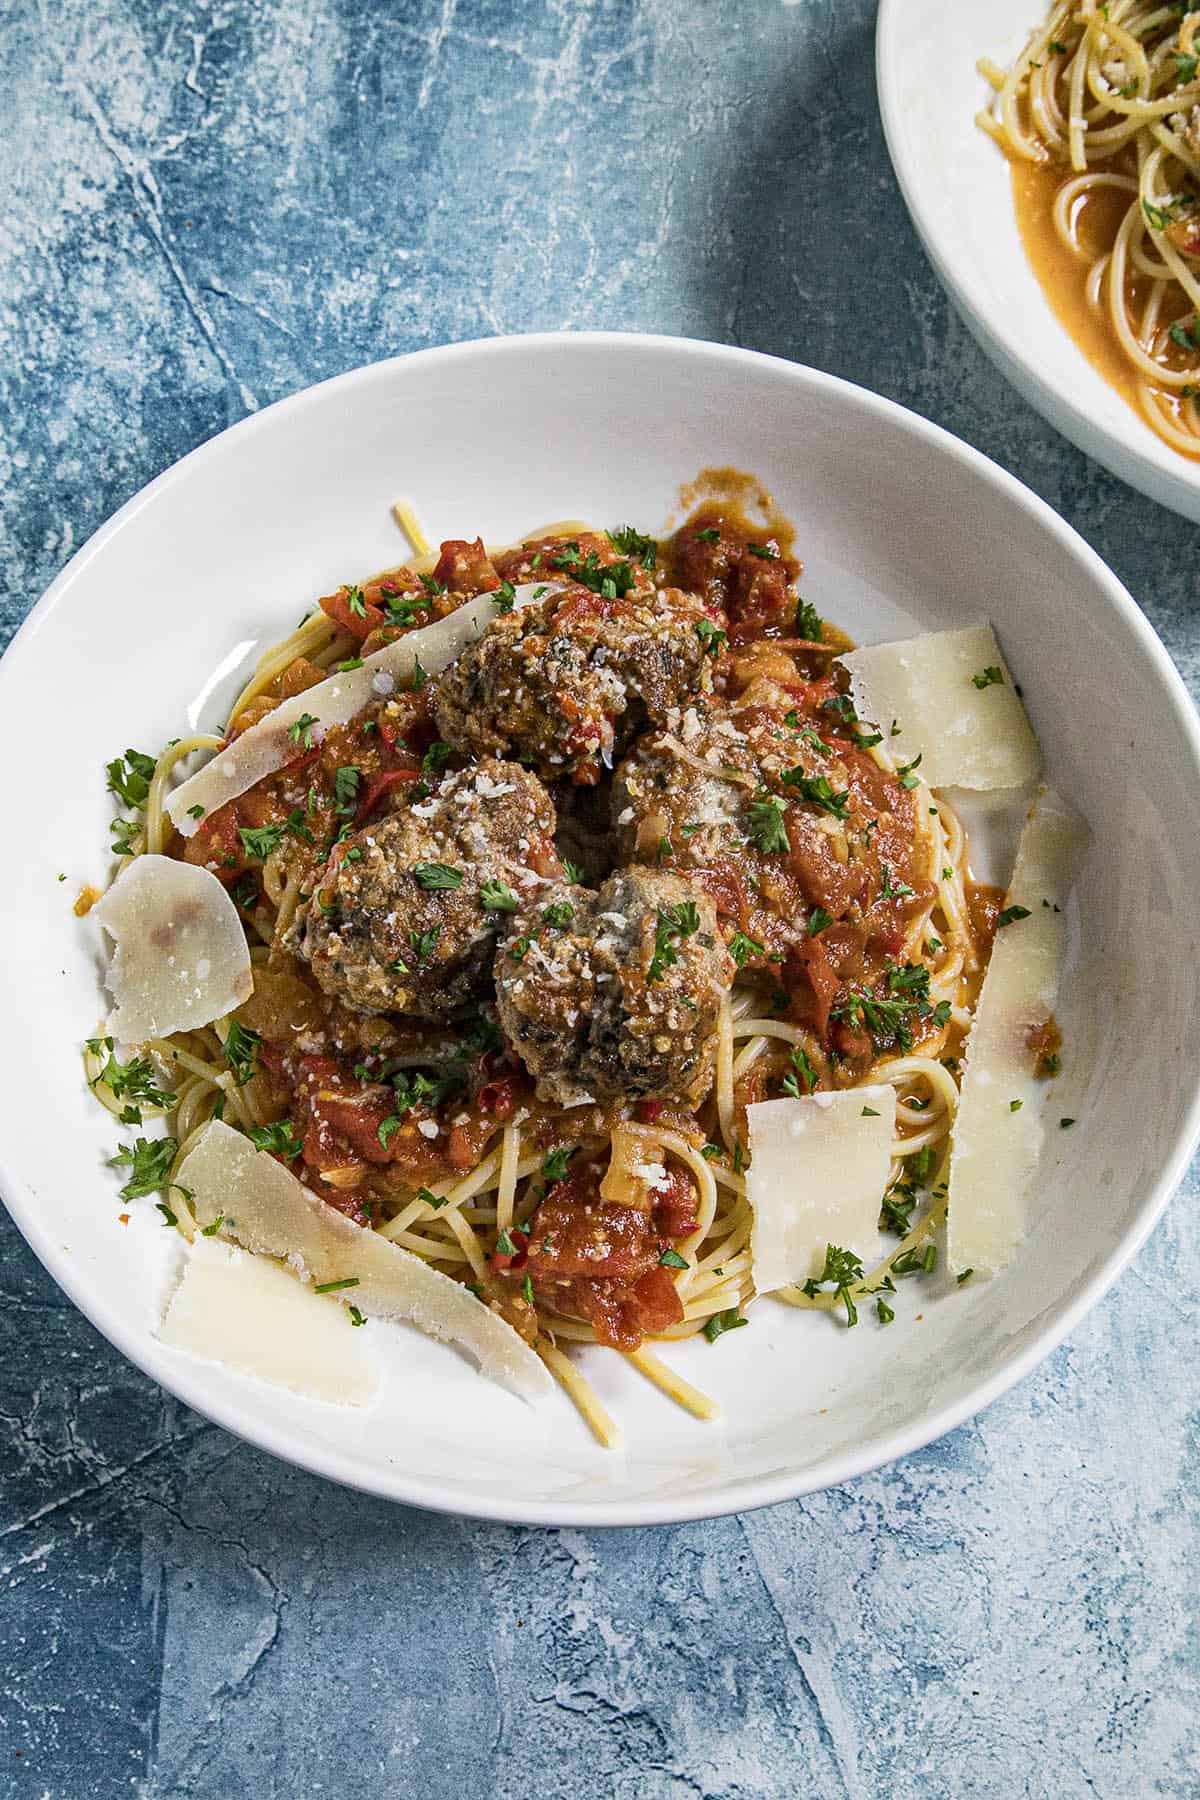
x,y
209,206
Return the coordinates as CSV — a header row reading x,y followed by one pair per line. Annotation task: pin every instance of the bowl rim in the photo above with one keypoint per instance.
x,y
429,1493
1149,466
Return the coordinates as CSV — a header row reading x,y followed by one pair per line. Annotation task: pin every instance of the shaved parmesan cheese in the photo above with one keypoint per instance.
x,y
254,1316
818,1169
996,1145
967,735
265,1209
269,745
181,959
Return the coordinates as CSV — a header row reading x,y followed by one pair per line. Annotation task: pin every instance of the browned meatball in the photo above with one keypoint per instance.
x,y
779,815
614,995
406,914
564,681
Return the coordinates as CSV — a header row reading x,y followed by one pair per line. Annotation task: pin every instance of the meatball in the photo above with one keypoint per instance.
x,y
615,994
568,678
406,913
774,809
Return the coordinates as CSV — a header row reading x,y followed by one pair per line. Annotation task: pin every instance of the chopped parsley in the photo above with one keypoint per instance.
x,y
671,1259
571,870
437,1201
149,1162
356,600
633,544
241,1051
890,888
502,598
559,913
335,1287
1186,334
710,535
279,1138
808,622
214,1225
905,773
818,792
135,1082
610,580
346,783
356,1317
1010,915
767,552
989,677
721,1322
713,640
423,945
842,1268
674,922
261,840
129,777
301,732
741,948
801,1071
434,877
767,828
419,675
436,757
494,896
555,1166
818,921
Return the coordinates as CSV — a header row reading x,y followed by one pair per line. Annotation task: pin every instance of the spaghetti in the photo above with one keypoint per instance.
x,y
469,1166
1100,114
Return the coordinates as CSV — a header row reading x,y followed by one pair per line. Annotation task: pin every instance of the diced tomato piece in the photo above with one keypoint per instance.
x,y
360,625
464,567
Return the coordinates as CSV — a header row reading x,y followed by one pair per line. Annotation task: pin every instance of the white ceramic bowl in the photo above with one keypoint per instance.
x,y
902,528
957,186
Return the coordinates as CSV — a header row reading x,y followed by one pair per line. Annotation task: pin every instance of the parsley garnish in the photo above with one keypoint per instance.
x,y
710,535
808,622
905,773
729,1320
436,876
741,948
356,601
356,1317
632,543
559,913
301,732
437,1201
1010,915
502,597
671,1259
819,920
555,1166
135,1081
494,896
673,922
241,1050
260,840
129,777
149,1160
335,1287
212,1228
279,1138
571,870
802,1070
841,1267
818,792
889,888
766,825
346,783
713,640
767,552
989,677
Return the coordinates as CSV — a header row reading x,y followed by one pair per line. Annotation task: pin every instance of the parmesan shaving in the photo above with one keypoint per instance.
x,y
254,1316
270,745
181,958
266,1210
996,1143
818,1169
924,693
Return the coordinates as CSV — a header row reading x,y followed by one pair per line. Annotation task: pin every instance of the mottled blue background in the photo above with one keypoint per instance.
x,y
207,207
